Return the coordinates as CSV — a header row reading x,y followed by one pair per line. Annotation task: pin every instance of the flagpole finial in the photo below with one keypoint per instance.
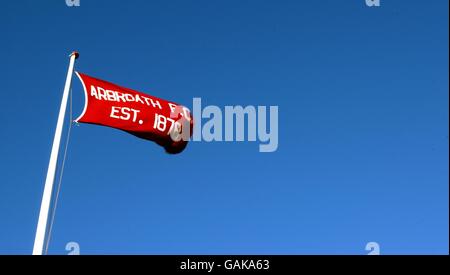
x,y
76,54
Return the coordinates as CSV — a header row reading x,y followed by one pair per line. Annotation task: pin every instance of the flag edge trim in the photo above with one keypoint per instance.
x,y
85,98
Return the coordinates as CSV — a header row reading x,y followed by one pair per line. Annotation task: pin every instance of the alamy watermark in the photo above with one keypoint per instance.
x,y
73,248
236,123
373,3
373,248
214,124
73,3
369,3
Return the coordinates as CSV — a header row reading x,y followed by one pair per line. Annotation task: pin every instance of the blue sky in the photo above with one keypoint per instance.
x,y
363,126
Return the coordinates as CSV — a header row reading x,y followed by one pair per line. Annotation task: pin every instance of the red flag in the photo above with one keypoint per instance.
x,y
148,117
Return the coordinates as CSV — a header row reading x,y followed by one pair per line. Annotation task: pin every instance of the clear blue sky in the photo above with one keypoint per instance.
x,y
363,133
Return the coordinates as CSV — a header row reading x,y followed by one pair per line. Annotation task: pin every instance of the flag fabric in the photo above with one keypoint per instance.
x,y
164,122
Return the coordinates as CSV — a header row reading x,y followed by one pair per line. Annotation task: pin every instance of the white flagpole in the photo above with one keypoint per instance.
x,y
41,230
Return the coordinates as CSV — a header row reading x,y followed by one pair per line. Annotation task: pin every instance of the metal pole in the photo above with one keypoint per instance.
x,y
41,230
